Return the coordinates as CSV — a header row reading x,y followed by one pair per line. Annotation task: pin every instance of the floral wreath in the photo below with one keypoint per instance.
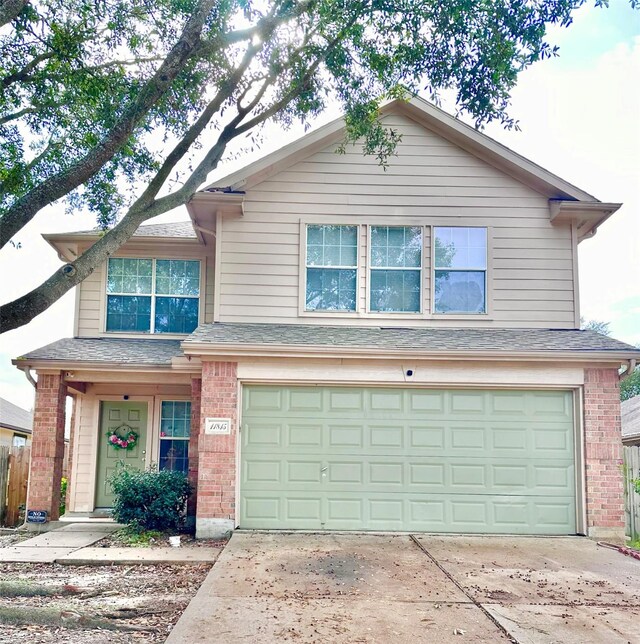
x,y
122,437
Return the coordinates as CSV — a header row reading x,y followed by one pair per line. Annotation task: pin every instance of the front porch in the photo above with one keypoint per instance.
x,y
159,410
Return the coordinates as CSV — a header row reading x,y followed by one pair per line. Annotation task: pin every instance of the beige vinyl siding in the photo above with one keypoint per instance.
x,y
430,182
92,298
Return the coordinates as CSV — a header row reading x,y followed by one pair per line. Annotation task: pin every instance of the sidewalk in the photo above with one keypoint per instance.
x,y
70,545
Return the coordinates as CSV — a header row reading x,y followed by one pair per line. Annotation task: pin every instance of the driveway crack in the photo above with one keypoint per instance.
x,y
463,590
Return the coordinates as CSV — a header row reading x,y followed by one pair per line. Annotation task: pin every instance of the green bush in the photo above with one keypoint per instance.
x,y
63,495
148,499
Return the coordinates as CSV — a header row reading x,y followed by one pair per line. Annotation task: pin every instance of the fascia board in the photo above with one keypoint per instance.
x,y
203,349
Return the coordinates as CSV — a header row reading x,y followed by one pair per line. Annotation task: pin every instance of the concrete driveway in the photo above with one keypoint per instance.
x,y
270,587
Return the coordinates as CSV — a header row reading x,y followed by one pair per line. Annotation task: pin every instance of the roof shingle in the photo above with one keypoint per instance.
x,y
181,229
418,339
630,415
143,351
15,417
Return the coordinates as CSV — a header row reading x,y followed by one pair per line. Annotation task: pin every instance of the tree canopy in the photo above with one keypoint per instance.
x,y
630,386
125,106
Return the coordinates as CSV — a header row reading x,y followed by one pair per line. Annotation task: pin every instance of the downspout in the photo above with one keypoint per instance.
x,y
27,373
630,368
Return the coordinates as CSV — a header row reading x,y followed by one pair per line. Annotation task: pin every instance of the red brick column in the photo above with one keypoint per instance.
x,y
217,453
603,453
47,445
196,422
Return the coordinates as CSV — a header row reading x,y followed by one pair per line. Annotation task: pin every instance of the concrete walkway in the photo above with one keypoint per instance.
x,y
343,588
47,547
70,545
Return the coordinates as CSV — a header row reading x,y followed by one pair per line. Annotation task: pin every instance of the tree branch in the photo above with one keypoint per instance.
x,y
24,72
10,9
16,115
50,190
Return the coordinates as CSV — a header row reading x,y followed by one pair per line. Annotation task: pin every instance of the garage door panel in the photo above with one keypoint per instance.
x,y
419,475
411,459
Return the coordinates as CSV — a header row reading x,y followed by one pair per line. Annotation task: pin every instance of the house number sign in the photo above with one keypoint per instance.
x,y
217,425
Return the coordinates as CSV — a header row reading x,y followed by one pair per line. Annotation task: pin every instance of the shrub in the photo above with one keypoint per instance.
x,y
148,499
63,495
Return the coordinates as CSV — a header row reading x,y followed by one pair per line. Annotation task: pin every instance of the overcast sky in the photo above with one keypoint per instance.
x,y
580,118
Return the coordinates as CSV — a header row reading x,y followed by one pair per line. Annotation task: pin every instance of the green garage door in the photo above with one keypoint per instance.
x,y
369,458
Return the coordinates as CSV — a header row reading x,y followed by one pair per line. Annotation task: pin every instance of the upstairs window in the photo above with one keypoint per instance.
x,y
460,267
332,268
396,266
152,295
175,429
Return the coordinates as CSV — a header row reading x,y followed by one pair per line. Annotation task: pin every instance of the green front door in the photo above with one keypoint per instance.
x,y
120,417
369,458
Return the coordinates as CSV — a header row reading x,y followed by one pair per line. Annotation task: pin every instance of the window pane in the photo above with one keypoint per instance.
x,y
174,455
396,246
176,314
331,289
175,419
177,277
332,245
129,276
315,235
461,248
128,313
460,292
395,291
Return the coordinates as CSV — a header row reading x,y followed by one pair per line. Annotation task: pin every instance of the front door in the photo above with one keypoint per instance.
x,y
120,418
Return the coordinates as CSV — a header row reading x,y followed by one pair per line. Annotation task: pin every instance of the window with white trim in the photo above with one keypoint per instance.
x,y
175,429
152,295
331,268
395,269
460,270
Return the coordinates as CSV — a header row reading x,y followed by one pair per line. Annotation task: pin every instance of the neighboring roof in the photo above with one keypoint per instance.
x,y
412,341
113,351
431,117
630,415
172,230
14,417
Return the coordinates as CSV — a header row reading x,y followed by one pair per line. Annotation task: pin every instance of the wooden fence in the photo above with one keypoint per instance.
x,y
14,476
631,497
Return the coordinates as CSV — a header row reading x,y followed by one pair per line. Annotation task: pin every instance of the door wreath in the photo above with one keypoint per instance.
x,y
122,437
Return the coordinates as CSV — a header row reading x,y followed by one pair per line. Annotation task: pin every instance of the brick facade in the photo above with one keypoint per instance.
x,y
603,453
47,445
217,453
196,392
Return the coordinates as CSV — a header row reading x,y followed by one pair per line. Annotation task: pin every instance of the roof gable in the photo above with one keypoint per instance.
x,y
432,119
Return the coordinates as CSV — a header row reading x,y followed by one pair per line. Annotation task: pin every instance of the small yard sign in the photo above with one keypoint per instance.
x,y
36,516
217,425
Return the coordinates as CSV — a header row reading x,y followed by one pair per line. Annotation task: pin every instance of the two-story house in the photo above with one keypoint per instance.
x,y
331,345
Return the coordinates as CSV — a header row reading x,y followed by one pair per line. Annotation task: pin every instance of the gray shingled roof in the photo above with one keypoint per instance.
x,y
14,417
145,351
630,415
412,339
182,229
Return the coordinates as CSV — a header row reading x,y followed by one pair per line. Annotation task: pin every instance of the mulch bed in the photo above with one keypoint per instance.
x,y
187,540
94,605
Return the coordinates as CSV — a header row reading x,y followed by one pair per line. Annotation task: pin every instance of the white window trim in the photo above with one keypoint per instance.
x,y
153,295
370,268
427,283
171,438
157,424
303,311
488,291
